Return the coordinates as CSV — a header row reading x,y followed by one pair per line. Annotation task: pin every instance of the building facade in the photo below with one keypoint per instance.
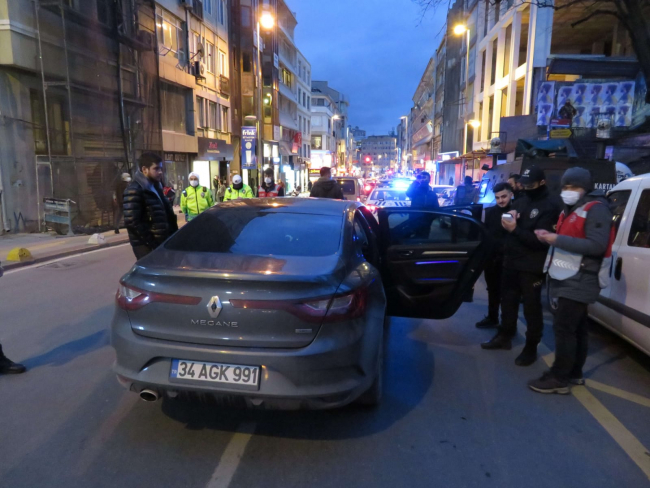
x,y
344,151
304,120
381,151
422,119
323,141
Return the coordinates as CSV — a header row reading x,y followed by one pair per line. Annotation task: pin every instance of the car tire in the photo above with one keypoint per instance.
x,y
373,395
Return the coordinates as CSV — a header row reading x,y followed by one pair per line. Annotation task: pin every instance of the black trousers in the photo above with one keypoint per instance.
x,y
118,214
493,271
517,284
141,251
571,339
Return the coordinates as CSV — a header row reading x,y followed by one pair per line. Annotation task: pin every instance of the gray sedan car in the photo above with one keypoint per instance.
x,y
282,302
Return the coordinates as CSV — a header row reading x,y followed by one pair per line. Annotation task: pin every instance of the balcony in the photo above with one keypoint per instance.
x,y
288,93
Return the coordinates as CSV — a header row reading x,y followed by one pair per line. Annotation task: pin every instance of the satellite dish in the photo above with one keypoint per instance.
x,y
200,50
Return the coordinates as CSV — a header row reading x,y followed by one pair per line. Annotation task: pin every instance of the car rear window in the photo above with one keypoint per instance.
x,y
259,232
348,187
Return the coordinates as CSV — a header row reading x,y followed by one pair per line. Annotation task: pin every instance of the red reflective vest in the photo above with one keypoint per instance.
x,y
272,193
561,264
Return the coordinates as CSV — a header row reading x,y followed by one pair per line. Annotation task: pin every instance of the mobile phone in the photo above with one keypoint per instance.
x,y
507,216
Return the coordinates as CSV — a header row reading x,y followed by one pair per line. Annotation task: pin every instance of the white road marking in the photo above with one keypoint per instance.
x,y
44,263
232,456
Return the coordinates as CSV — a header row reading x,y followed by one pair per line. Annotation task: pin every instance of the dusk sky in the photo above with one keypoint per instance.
x,y
374,51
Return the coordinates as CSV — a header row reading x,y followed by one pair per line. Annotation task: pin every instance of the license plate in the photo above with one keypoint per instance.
x,y
215,372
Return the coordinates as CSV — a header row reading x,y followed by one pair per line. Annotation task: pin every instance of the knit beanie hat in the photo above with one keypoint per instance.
x,y
578,177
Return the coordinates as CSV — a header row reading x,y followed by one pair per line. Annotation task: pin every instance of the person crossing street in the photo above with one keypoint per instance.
x,y
578,265
269,189
195,199
237,190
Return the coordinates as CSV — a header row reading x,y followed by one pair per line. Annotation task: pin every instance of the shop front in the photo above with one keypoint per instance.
x,y
213,161
177,170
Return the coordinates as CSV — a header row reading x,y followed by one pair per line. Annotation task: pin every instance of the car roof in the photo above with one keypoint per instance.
x,y
317,206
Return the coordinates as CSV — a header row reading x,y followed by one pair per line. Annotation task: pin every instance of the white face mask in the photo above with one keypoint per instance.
x,y
268,180
570,197
194,183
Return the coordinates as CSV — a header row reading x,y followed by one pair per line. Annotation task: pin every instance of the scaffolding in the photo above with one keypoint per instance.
x,y
99,100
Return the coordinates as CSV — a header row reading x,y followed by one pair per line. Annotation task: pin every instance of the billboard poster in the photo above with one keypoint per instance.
x,y
625,93
563,94
248,143
545,97
623,116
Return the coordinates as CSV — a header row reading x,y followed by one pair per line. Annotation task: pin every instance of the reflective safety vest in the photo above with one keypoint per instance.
x,y
562,265
233,194
195,200
272,193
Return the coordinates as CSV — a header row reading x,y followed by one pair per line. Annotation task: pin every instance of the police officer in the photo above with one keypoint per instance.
x,y
517,189
523,264
195,199
578,264
421,194
492,272
238,190
269,189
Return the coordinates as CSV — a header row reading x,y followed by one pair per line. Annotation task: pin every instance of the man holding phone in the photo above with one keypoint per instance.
x,y
492,272
523,264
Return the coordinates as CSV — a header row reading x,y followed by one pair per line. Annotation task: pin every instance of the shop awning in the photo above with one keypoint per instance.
x,y
561,147
593,67
285,149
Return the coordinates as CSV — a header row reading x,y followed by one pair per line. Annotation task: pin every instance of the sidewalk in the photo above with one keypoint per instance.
x,y
46,246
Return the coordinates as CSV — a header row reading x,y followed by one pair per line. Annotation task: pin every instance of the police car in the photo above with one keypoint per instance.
x,y
387,197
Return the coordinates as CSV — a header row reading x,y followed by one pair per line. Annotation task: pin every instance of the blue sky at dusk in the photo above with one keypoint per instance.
x,y
374,51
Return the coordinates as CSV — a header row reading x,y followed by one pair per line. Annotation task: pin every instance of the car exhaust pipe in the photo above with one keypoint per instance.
x,y
149,395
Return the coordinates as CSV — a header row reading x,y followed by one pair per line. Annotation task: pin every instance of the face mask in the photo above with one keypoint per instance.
x,y
238,186
268,180
570,197
194,183
536,192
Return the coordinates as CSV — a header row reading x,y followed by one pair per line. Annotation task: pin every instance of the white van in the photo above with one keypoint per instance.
x,y
624,306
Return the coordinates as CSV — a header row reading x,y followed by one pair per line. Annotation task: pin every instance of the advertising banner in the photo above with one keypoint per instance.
x,y
545,98
248,144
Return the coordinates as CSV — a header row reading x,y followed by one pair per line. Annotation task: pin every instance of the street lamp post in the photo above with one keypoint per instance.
x,y
267,22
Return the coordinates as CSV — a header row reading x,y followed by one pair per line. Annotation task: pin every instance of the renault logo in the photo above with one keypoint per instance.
x,y
214,307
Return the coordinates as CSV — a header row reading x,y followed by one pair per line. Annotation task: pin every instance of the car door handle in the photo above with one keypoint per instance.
x,y
618,269
405,254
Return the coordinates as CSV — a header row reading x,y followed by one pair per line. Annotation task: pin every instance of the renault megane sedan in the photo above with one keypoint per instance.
x,y
282,302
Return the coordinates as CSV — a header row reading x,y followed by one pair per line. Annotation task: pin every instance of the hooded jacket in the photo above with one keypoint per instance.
x,y
584,287
327,188
148,216
523,251
422,196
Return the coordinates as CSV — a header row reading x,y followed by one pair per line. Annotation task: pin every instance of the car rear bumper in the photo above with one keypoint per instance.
x,y
332,371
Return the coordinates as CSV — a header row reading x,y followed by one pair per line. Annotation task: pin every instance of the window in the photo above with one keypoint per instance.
x,y
212,114
105,12
317,142
286,77
320,102
58,124
247,63
617,204
207,6
506,51
304,100
170,34
223,64
299,92
235,231
423,228
201,113
361,241
523,38
246,17
483,68
225,121
640,228
222,11
210,58
174,108
308,103
493,76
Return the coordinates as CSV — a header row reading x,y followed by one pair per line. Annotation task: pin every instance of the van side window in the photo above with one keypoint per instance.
x,y
640,228
617,203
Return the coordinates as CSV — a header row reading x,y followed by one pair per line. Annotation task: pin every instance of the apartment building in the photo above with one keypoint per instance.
x,y
422,119
382,152
344,152
324,112
304,119
194,70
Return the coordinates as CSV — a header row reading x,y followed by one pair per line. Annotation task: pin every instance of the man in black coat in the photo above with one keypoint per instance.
x,y
492,272
421,194
148,216
523,264
326,187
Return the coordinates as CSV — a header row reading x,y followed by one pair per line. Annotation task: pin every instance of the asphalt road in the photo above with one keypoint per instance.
x,y
453,416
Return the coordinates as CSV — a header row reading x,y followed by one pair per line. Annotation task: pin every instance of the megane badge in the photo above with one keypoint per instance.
x,y
214,307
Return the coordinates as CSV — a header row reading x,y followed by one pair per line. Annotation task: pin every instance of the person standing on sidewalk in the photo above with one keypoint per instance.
x,y
238,190
269,189
467,193
517,189
493,267
523,265
118,198
195,199
421,194
578,264
148,216
326,187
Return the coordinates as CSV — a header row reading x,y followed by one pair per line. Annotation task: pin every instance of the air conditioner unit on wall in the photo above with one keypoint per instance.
x,y
187,3
200,69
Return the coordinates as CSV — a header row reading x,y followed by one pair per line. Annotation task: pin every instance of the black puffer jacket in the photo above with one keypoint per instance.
x,y
422,196
327,188
148,216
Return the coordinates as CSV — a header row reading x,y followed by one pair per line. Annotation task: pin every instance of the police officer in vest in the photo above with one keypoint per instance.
x,y
269,189
195,199
578,264
238,190
523,264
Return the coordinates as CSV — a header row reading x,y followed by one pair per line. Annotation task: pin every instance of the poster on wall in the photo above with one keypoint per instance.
x,y
545,97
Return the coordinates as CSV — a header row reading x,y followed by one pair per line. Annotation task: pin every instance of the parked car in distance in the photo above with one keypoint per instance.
x,y
352,188
624,306
386,197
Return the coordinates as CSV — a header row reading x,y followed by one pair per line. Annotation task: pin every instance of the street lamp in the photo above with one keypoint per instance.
x,y
475,123
267,21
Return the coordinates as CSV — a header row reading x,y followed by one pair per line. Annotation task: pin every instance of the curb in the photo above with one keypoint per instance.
x,y
9,266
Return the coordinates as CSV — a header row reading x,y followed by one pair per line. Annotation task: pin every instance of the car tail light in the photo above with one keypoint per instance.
x,y
368,188
131,298
326,309
372,208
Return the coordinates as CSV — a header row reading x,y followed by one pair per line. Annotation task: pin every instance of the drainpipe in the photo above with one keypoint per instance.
x,y
3,204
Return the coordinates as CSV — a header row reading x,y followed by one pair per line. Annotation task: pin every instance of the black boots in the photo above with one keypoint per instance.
x,y
7,366
499,341
528,356
487,323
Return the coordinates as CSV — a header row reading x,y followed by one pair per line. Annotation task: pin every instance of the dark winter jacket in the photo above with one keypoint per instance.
x,y
148,216
495,229
523,250
584,287
422,196
327,188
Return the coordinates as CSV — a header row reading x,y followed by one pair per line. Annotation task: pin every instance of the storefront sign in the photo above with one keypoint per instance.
x,y
175,157
248,143
560,134
297,143
215,150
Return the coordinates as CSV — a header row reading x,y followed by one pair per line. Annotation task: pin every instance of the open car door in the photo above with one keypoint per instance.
x,y
430,259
